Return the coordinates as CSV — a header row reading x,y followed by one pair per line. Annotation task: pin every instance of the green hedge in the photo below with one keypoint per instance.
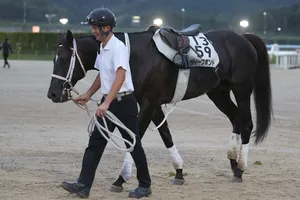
x,y
33,43
45,43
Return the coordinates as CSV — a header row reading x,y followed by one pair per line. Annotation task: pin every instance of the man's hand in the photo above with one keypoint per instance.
x,y
83,99
101,111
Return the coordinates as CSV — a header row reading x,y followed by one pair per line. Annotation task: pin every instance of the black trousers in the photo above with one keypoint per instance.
x,y
5,57
127,112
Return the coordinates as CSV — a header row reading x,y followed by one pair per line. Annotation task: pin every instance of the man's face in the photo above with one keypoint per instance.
x,y
97,33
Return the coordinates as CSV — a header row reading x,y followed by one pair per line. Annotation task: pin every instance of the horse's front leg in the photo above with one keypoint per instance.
x,y
147,111
168,141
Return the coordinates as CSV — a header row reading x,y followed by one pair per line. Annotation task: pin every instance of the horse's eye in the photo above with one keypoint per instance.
x,y
63,62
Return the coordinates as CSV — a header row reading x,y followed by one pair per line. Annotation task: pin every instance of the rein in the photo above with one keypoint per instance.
x,y
93,122
93,118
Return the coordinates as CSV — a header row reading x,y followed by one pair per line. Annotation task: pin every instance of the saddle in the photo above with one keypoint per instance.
x,y
179,41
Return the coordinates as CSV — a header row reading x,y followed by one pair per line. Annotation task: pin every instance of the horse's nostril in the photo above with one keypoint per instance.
x,y
51,95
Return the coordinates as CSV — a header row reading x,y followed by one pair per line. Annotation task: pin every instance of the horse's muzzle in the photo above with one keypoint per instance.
x,y
58,97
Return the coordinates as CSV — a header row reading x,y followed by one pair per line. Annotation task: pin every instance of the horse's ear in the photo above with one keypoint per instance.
x,y
69,38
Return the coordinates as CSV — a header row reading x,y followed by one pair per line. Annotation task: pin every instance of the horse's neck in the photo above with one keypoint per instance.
x,y
141,53
90,48
138,41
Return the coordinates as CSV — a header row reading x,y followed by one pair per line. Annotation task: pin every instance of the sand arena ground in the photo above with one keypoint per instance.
x,y
42,143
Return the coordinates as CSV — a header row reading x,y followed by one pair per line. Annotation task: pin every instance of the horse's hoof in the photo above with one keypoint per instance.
x,y
114,188
176,181
236,180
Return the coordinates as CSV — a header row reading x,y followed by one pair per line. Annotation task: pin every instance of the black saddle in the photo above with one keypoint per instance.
x,y
178,40
192,30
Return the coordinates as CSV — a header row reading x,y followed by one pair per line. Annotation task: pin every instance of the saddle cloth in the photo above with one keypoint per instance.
x,y
186,49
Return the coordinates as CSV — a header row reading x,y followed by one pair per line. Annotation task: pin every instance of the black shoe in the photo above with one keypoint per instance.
x,y
78,188
140,192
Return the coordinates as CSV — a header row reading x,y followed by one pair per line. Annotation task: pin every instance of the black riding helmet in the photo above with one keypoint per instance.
x,y
102,17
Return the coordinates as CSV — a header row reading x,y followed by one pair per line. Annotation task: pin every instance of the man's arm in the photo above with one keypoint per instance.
x,y
118,82
95,86
120,64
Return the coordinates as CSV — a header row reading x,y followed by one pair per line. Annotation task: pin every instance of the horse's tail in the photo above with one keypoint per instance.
x,y
262,88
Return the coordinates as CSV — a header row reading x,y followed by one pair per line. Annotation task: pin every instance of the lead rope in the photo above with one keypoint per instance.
x,y
166,116
93,122
127,43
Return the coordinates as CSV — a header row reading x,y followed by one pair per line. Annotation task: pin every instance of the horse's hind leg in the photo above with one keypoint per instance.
x,y
221,98
242,93
167,138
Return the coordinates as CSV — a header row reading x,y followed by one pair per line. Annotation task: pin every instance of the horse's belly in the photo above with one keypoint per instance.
x,y
200,82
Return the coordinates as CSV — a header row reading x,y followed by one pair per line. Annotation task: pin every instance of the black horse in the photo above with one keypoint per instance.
x,y
243,68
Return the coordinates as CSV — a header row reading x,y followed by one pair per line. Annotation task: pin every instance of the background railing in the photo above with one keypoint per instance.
x,y
284,56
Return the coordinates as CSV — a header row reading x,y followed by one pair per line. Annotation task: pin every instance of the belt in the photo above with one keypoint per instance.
x,y
120,95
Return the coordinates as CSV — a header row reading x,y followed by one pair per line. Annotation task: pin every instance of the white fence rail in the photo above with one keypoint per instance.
x,y
285,56
287,61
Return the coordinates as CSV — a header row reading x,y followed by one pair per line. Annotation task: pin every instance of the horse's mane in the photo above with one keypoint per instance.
x,y
151,29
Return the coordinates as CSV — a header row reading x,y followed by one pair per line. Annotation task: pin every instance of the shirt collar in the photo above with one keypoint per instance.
x,y
109,43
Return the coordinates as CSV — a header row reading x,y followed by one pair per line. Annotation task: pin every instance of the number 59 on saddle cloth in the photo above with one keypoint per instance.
x,y
187,49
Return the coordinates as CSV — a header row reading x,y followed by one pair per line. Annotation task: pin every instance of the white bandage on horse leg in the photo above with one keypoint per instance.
x,y
127,167
233,146
176,158
243,157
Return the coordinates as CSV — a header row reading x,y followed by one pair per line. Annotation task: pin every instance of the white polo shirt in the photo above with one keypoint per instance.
x,y
111,57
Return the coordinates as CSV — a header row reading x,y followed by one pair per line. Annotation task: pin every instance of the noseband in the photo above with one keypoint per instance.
x,y
93,119
68,78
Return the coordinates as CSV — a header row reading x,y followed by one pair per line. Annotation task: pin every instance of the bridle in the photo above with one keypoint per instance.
x,y
93,123
68,78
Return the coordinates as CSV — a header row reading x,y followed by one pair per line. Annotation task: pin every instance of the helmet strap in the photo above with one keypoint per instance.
x,y
104,34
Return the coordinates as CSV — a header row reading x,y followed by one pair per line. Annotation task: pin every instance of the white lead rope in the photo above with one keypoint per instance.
x,y
166,116
93,122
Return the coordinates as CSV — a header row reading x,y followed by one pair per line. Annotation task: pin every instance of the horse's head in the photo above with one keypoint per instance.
x,y
75,56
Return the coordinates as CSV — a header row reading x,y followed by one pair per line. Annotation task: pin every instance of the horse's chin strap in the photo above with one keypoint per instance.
x,y
68,78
